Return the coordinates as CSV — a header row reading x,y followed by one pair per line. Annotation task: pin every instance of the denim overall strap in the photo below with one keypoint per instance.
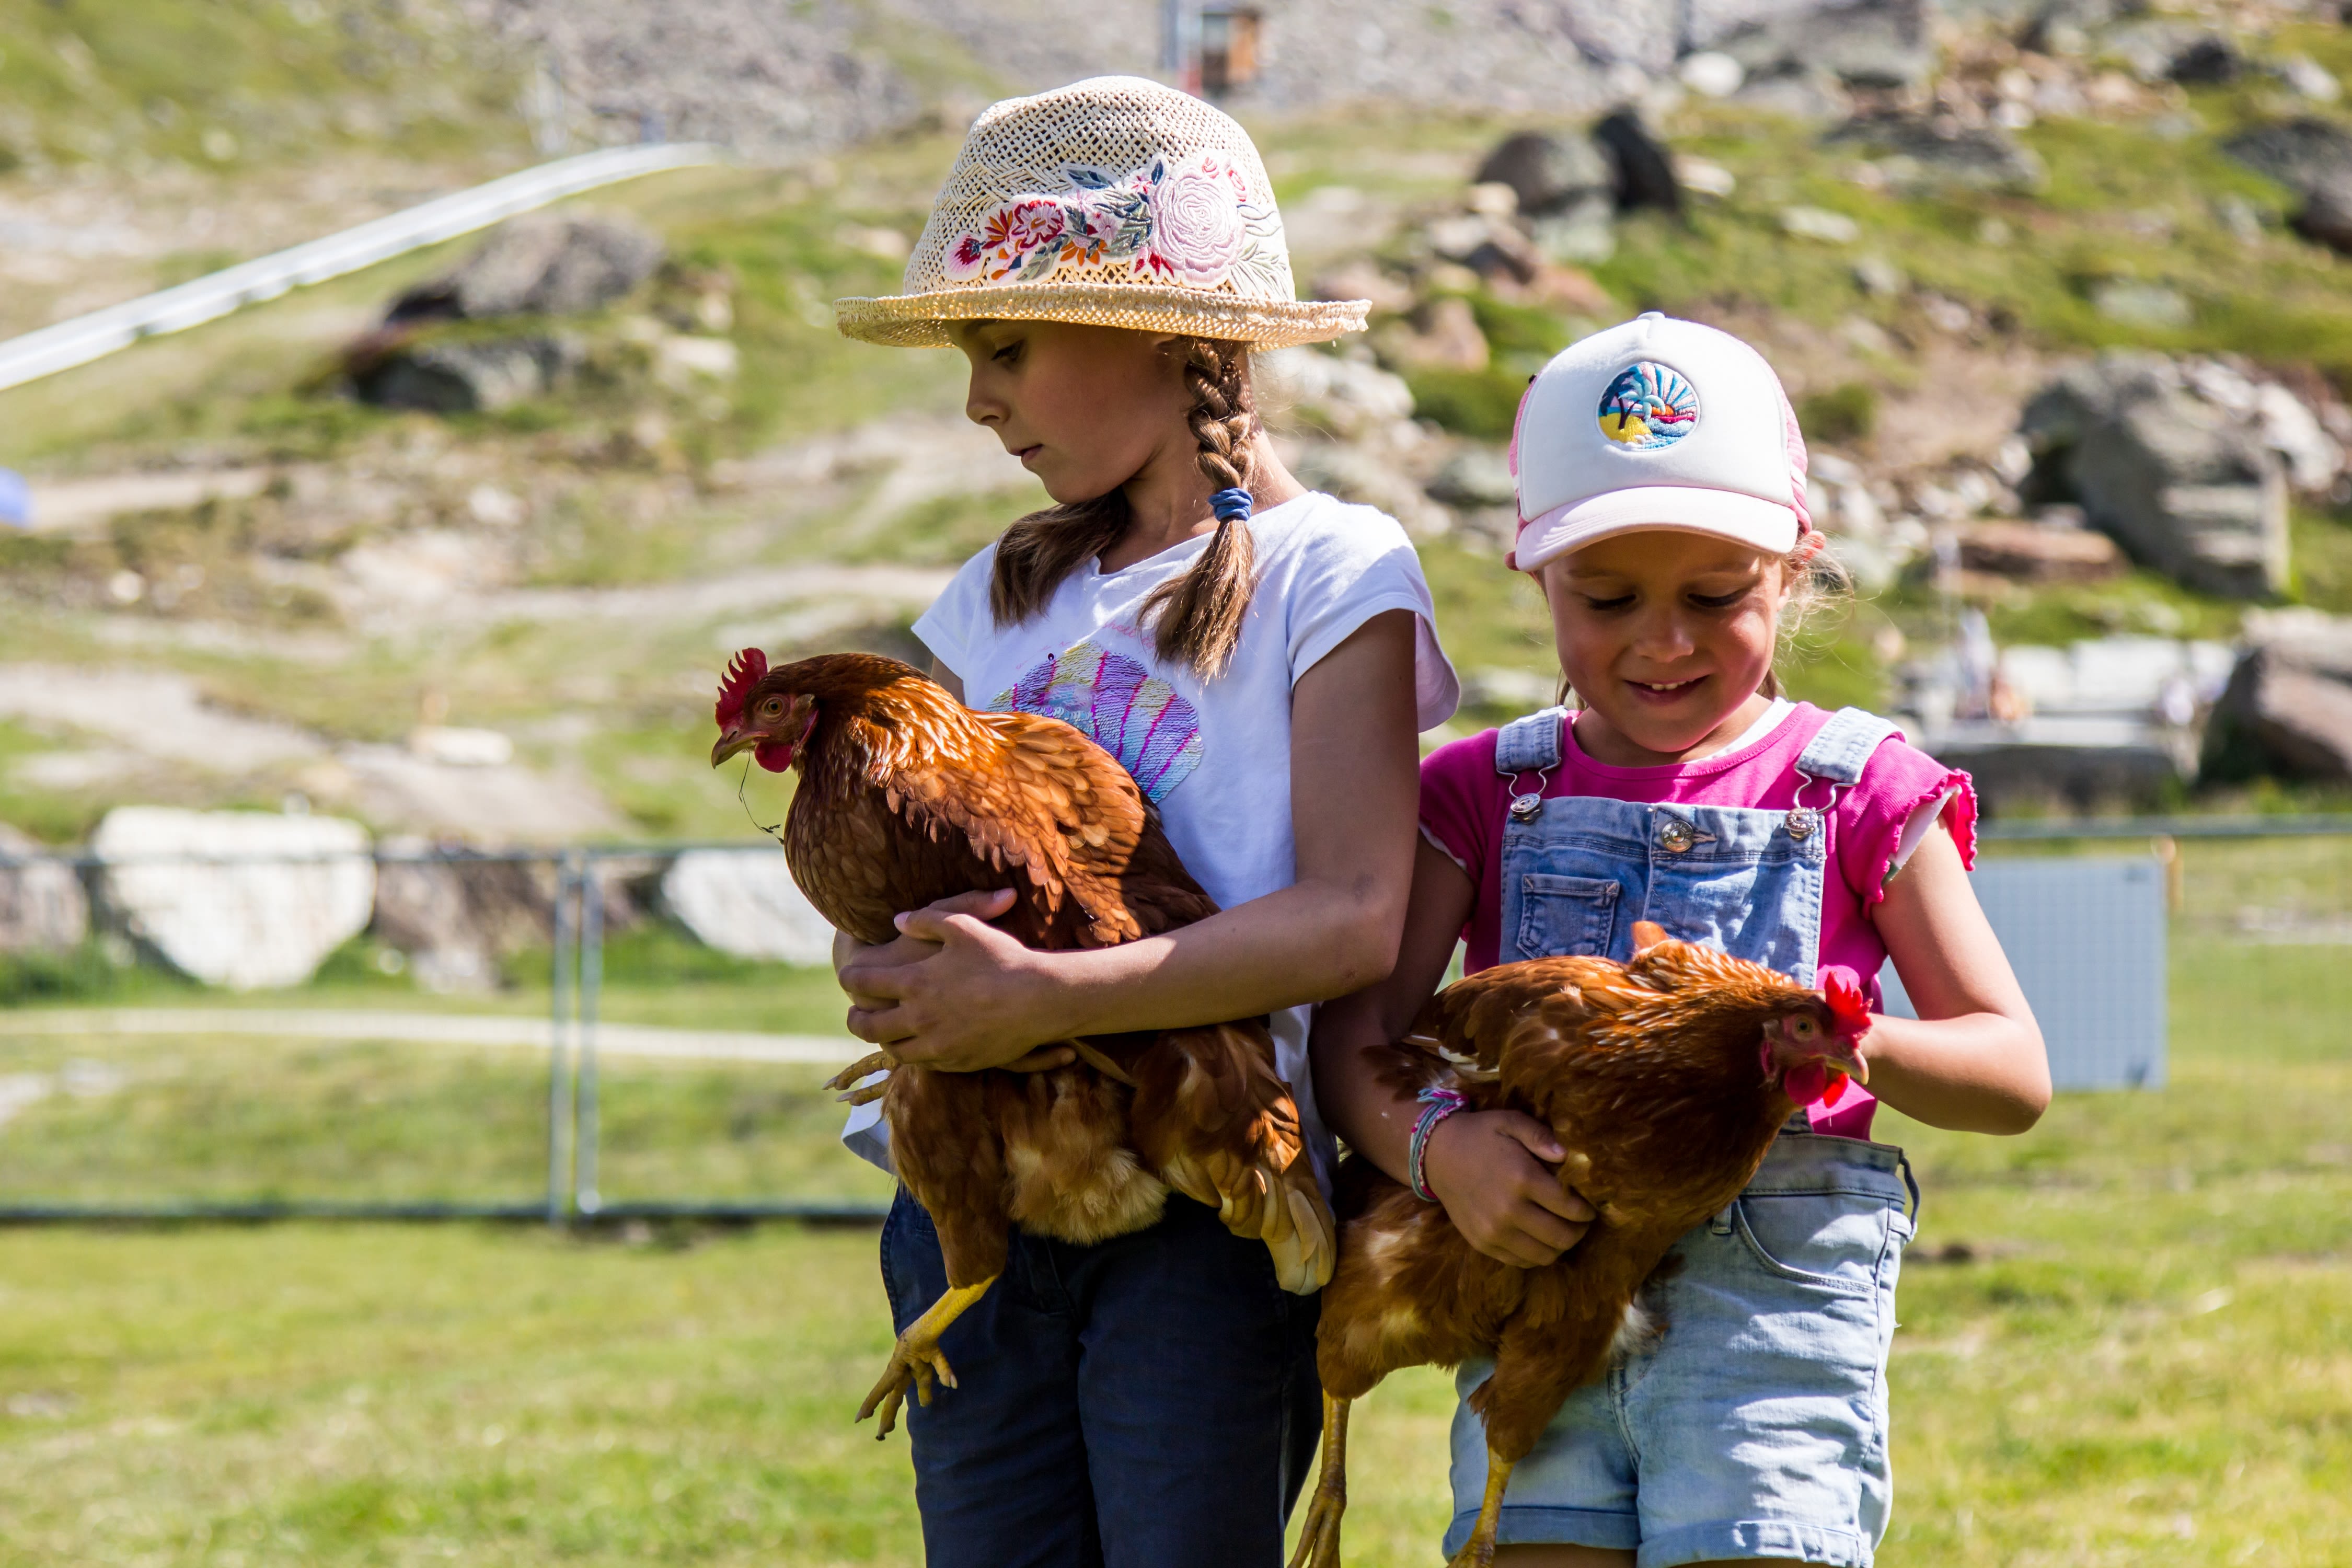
x,y
1529,745
1837,754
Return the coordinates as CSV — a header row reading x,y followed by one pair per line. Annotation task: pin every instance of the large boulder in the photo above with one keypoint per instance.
x,y
1866,43
744,901
2313,158
548,264
2180,483
459,914
240,899
1935,150
2288,706
468,376
1549,173
43,907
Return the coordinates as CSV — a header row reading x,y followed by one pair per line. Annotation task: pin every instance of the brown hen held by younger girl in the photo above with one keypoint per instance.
x,y
906,797
1667,1080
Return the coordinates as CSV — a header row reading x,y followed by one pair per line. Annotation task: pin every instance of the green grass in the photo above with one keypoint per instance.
x,y
2147,1356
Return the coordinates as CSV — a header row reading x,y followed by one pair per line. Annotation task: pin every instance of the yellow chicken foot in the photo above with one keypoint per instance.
x,y
879,1062
1318,1538
917,1359
1478,1552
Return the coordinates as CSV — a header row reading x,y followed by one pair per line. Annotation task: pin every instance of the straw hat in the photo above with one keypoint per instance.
x,y
1115,202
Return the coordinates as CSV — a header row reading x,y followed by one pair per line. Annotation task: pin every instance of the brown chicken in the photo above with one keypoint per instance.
x,y
905,797
1666,1079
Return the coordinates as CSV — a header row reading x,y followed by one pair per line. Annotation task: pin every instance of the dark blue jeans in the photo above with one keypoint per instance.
x,y
1146,1402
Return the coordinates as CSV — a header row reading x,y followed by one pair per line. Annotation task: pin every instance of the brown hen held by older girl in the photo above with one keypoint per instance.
x,y
907,798
1667,1080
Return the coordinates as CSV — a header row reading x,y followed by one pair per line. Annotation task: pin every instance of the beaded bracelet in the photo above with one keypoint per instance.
x,y
1437,1104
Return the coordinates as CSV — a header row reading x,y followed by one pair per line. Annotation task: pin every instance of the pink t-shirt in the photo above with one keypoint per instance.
x,y
1464,802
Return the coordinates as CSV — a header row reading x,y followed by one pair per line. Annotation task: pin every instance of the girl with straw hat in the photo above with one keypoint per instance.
x,y
1260,657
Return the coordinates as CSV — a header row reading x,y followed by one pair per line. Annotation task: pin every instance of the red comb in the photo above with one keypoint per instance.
x,y
1841,989
742,675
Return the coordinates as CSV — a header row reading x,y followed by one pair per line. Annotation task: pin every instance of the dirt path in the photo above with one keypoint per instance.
x,y
637,1041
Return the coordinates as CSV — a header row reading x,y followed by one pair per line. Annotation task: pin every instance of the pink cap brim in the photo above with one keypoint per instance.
x,y
1734,515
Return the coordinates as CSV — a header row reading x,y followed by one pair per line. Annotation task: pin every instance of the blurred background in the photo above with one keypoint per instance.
x,y
410,1133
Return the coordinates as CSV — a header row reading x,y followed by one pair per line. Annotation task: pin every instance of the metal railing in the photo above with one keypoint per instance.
x,y
2269,893
84,338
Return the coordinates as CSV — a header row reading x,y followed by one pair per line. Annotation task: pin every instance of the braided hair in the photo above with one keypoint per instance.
x,y
1195,618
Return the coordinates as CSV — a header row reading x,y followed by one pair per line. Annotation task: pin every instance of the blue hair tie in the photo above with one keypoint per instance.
x,y
1231,506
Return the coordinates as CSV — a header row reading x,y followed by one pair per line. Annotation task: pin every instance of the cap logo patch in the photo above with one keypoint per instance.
x,y
1648,406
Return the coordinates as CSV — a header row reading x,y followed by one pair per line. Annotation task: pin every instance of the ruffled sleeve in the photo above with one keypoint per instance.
x,y
1901,792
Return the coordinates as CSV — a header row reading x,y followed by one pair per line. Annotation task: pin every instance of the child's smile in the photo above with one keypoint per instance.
x,y
1667,638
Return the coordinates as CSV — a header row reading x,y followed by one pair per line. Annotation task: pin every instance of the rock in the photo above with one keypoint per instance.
x,y
744,901
2326,214
1643,170
43,907
1493,247
1878,276
1355,474
2139,304
467,377
239,898
1585,233
2302,154
2032,553
1352,398
1939,151
1363,280
1883,44
1476,476
2165,51
2308,78
1442,335
1819,223
2287,425
2289,701
459,914
543,265
2176,481
1547,174
1711,73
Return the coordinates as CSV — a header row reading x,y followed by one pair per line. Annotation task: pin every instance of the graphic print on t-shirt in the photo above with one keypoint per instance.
x,y
1120,706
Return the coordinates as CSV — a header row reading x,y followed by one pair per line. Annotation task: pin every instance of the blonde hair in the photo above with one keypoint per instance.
x,y
1817,583
1195,618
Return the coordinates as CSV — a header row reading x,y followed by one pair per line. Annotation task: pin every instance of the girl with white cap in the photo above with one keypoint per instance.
x,y
1260,657
1662,503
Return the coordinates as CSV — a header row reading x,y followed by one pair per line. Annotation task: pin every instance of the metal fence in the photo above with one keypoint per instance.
x,y
642,1031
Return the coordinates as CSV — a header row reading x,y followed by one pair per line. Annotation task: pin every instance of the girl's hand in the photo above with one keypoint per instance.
x,y
1493,1171
953,992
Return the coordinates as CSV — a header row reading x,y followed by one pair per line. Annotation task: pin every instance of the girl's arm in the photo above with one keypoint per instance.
x,y
1485,1167
1973,1060
979,999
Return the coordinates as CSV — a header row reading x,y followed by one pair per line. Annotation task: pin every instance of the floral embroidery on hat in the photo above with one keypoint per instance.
x,y
1648,406
1194,223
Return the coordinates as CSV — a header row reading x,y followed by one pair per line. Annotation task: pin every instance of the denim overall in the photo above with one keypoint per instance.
x,y
1756,1423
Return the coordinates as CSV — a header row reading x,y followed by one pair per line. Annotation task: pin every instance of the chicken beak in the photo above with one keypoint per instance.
x,y
734,743
1848,1059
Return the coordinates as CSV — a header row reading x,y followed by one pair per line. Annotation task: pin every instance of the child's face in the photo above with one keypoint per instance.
x,y
1665,635
1085,408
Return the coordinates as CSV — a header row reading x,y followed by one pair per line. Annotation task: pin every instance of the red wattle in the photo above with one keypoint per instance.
x,y
1804,1084
1835,1091
774,755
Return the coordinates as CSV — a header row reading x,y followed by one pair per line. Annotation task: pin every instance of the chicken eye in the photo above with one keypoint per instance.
x,y
773,708
1803,1028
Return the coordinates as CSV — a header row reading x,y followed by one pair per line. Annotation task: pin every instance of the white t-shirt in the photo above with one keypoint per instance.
x,y
1213,756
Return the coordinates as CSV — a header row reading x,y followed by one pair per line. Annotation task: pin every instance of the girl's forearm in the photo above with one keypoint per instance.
x,y
1979,1072
1301,944
1376,1120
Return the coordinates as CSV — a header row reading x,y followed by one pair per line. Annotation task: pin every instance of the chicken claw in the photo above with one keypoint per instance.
x,y
879,1062
1318,1538
916,1359
1478,1552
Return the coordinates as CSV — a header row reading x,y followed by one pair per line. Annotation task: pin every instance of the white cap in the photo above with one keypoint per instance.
x,y
1658,423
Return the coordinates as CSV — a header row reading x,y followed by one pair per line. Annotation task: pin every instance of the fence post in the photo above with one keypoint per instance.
x,y
591,981
558,1102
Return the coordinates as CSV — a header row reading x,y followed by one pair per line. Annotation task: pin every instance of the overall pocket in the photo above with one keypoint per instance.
x,y
1566,916
1837,1241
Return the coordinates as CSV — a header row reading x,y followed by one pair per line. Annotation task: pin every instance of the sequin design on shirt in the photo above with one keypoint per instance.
x,y
1120,706
1648,406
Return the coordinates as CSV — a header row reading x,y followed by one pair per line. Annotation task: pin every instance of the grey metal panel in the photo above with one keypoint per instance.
x,y
2086,938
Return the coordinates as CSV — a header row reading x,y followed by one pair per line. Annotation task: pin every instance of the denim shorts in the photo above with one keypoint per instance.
x,y
1755,1426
